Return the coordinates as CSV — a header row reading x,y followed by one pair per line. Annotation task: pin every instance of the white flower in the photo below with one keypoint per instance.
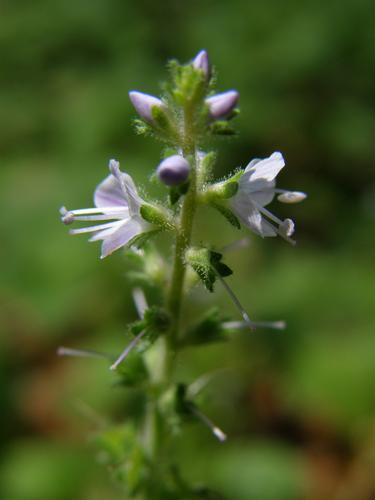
x,y
257,189
116,199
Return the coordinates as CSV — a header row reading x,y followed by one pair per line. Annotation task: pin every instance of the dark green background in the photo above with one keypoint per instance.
x,y
299,406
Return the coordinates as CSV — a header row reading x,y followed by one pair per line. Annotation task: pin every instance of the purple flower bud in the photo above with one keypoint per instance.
x,y
220,105
143,104
202,62
173,170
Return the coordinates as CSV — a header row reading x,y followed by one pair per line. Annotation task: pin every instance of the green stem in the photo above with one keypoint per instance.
x,y
183,238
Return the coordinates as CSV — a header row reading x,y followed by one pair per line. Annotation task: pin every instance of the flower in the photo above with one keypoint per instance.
x,y
173,170
143,104
221,105
257,189
202,62
116,199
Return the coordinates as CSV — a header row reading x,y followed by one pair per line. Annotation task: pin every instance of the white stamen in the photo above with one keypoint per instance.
x,y
91,229
236,302
127,350
81,353
290,196
89,211
97,217
241,325
268,214
216,431
140,301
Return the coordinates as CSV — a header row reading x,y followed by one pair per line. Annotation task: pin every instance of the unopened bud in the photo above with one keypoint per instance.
x,y
202,62
292,197
144,103
174,170
221,105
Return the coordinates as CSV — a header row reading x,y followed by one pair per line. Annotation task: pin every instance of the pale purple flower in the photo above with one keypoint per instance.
x,y
143,104
202,62
173,170
221,105
256,190
116,200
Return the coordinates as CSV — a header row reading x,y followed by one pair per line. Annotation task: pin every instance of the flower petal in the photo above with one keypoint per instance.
x,y
128,187
123,235
260,175
251,216
109,194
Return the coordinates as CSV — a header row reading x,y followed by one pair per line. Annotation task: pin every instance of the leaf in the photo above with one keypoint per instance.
x,y
176,192
208,329
207,264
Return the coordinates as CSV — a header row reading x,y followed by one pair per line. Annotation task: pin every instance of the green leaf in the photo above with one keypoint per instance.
x,y
221,268
133,372
222,127
208,329
207,264
176,192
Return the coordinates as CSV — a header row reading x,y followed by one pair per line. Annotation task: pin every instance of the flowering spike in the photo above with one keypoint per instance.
x,y
221,105
174,170
202,62
143,104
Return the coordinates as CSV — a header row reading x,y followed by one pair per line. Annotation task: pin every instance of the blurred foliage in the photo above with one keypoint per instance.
x,y
299,406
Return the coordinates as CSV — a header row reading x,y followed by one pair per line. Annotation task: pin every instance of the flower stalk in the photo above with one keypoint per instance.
x,y
183,118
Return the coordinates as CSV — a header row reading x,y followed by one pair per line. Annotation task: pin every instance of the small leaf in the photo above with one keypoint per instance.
x,y
176,192
222,127
208,329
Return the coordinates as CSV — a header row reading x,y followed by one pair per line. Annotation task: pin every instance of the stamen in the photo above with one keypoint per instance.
x,y
91,229
286,196
127,350
97,210
108,216
268,214
236,302
241,325
216,431
140,301
81,353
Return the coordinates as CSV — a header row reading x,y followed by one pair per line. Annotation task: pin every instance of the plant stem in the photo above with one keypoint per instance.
x,y
183,238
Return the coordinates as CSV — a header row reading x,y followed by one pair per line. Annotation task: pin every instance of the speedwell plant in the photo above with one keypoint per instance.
x,y
184,118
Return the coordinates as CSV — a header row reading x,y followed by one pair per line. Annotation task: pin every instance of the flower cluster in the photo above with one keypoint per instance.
x,y
184,117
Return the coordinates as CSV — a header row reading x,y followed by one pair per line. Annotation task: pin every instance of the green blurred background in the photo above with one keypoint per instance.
x,y
299,406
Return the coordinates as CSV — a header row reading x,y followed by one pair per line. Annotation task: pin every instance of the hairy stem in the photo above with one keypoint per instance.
x,y
183,238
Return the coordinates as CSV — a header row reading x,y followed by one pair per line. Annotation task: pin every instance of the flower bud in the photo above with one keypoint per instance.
x,y
221,105
143,104
173,170
291,197
202,62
